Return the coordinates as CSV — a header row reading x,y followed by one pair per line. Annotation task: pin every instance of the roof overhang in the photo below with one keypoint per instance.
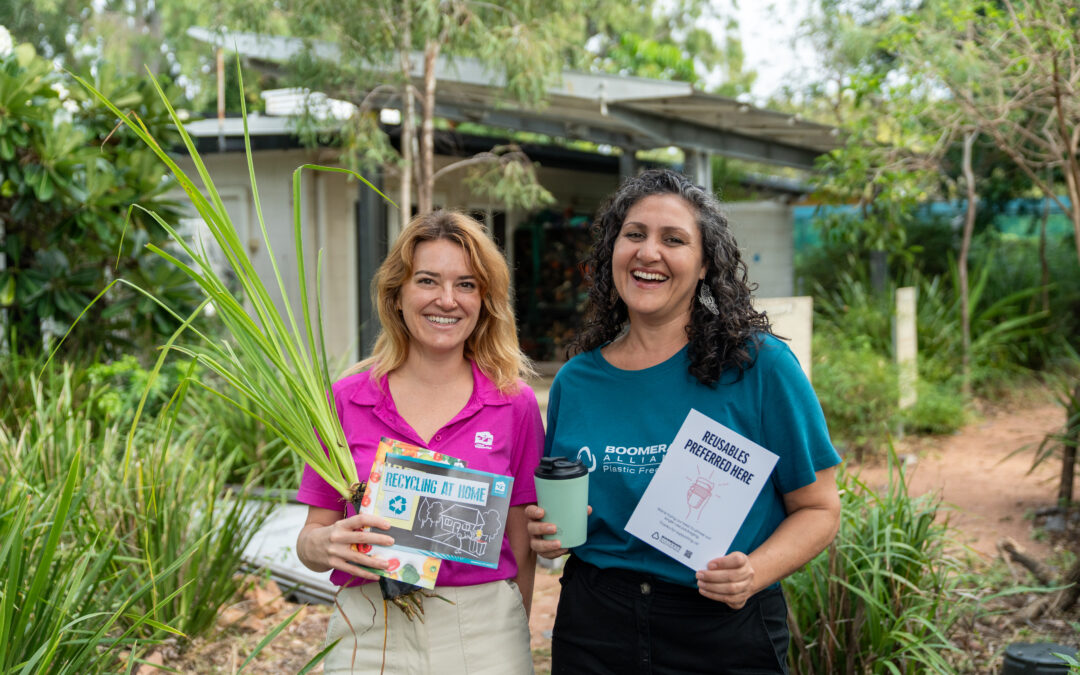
x,y
632,113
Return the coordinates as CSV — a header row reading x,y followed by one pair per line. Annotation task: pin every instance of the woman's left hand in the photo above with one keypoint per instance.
x,y
729,580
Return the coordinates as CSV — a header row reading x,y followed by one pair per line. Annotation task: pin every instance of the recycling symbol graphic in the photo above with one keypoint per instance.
x,y
397,505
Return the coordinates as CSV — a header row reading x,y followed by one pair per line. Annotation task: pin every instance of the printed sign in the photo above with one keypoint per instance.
x,y
447,512
699,497
407,565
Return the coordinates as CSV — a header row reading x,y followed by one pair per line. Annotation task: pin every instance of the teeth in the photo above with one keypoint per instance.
x,y
650,276
446,320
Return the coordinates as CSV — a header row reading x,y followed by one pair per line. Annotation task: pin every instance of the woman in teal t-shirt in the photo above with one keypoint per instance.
x,y
670,327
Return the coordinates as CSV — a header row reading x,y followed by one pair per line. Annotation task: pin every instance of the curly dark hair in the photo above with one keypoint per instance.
x,y
717,343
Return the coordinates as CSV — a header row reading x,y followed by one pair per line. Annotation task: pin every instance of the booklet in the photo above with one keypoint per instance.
x,y
407,565
699,496
437,509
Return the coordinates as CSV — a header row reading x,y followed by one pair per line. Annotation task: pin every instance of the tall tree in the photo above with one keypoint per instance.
x,y
127,34
1013,68
66,186
383,43
888,163
689,40
524,44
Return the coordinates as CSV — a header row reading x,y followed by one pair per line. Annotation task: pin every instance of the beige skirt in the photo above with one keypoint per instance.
x,y
485,630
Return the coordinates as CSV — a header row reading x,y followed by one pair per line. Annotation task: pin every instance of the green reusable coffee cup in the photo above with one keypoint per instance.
x,y
562,489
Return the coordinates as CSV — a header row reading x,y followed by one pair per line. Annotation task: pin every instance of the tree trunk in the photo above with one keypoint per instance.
x,y
426,190
1066,597
962,263
1071,141
408,118
1044,264
1068,454
1074,205
879,270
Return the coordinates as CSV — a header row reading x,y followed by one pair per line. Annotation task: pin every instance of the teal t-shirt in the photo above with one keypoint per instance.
x,y
620,422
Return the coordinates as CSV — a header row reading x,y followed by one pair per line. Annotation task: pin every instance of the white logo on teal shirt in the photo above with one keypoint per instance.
x,y
585,456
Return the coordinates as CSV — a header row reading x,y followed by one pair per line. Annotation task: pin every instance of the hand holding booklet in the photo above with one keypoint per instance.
x,y
702,491
437,509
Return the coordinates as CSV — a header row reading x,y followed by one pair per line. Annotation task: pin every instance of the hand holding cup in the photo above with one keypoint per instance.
x,y
560,521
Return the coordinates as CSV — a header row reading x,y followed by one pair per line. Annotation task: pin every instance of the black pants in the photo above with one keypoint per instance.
x,y
621,622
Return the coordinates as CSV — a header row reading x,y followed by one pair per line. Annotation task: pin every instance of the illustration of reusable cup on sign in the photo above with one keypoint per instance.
x,y
562,488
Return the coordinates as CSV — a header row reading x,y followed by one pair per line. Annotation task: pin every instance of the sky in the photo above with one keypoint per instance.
x,y
768,29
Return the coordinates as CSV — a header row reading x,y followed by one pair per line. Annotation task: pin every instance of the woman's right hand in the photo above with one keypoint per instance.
x,y
547,548
326,542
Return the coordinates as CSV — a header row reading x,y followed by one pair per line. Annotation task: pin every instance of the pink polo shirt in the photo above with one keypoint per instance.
x,y
493,432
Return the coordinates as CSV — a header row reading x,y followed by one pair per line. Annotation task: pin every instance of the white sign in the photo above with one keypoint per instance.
x,y
792,321
906,345
698,498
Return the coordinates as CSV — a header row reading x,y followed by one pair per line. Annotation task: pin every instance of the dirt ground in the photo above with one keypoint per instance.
x,y
988,494
988,489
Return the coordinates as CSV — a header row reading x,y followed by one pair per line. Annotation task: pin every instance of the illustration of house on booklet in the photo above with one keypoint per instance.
x,y
437,510
407,565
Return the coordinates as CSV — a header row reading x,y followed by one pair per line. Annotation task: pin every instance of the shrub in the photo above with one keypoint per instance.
x,y
66,185
882,597
857,388
939,409
156,531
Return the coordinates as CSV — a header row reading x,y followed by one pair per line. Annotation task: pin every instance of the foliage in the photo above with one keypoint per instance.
x,y
1014,265
64,609
667,40
1000,327
95,601
386,54
857,387
855,311
175,499
1009,332
1063,442
887,165
854,374
156,533
113,391
1009,68
939,409
882,597
130,35
66,186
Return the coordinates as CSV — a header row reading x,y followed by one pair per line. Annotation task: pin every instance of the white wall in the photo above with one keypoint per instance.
x,y
764,233
327,216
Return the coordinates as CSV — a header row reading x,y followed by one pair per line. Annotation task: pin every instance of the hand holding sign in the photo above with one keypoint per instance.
x,y
698,498
729,579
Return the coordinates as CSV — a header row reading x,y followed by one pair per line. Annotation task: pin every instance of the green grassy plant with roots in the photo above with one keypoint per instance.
x,y
274,359
271,359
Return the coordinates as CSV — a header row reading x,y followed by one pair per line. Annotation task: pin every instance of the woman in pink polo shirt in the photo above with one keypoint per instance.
x,y
445,374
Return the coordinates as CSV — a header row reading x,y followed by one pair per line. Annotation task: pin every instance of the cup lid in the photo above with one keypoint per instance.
x,y
559,468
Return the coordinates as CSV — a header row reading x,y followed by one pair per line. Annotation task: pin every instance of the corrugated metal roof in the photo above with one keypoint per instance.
x,y
633,113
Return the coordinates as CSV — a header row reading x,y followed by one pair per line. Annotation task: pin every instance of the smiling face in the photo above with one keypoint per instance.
x,y
657,260
441,301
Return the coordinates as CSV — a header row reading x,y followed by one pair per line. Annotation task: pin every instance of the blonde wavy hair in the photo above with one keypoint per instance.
x,y
493,345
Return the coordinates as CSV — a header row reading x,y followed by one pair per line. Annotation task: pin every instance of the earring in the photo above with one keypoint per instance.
x,y
705,297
